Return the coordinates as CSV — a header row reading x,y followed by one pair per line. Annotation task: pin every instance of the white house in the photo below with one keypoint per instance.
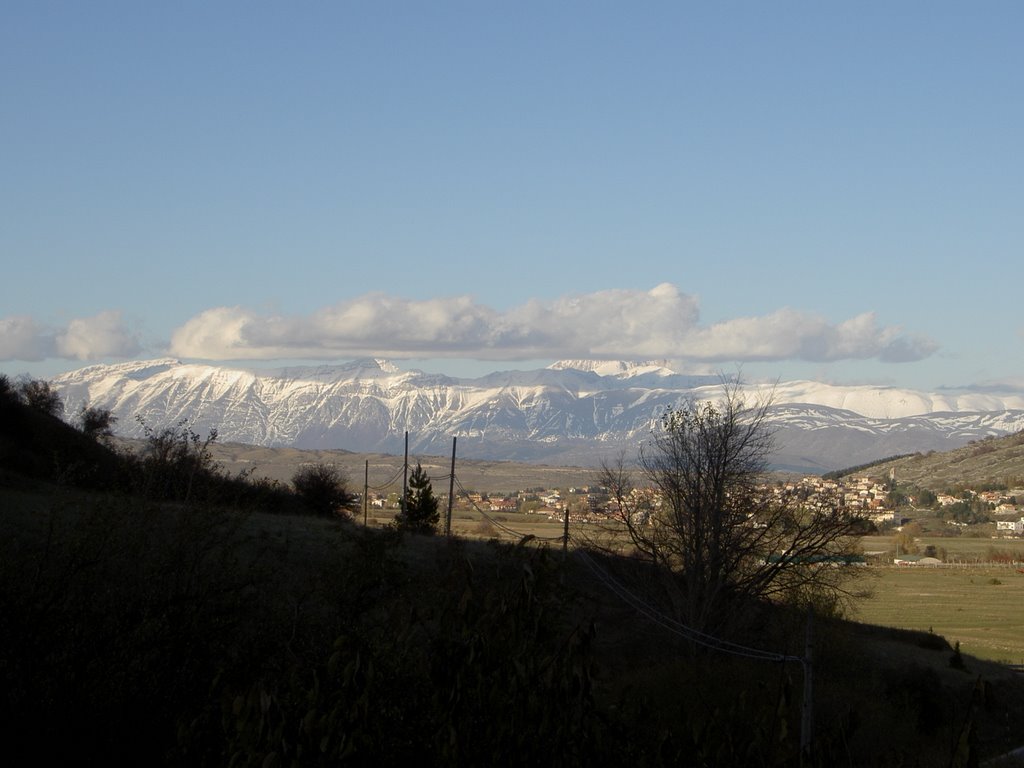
x,y
1011,526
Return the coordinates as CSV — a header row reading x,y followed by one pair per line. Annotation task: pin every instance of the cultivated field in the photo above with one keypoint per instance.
x,y
385,469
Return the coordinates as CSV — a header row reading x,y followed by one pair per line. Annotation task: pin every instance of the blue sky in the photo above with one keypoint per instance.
x,y
804,190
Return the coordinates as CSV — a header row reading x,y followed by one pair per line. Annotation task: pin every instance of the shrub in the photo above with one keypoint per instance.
x,y
42,397
96,422
175,465
323,490
7,393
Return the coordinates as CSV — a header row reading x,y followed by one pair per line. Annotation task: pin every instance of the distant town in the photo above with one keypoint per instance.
x,y
997,512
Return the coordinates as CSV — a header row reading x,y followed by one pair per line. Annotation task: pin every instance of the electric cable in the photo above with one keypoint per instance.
x,y
500,526
389,483
672,625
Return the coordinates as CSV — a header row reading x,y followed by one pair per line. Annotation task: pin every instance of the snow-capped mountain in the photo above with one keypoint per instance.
x,y
574,412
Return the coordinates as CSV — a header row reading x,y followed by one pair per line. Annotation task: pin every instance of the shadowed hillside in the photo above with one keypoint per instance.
x,y
202,629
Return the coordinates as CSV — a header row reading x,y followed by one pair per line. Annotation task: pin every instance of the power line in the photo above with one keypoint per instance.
x,y
672,625
389,483
496,524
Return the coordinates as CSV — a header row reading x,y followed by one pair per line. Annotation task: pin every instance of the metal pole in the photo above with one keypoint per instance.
x,y
366,489
451,493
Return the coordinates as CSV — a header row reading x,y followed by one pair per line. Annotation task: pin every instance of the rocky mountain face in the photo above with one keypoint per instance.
x,y
575,412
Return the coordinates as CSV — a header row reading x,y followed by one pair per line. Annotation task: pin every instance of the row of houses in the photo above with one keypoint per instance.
x,y
1000,501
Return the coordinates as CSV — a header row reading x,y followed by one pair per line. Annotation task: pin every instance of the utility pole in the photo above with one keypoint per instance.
x,y
366,489
451,493
405,473
565,531
807,718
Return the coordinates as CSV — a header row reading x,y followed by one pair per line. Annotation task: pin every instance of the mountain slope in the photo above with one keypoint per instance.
x,y
572,413
992,461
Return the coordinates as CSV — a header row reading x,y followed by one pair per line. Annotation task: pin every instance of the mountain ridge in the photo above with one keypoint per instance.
x,y
573,412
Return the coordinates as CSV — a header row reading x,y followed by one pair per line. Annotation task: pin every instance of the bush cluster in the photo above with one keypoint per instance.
x,y
175,463
323,489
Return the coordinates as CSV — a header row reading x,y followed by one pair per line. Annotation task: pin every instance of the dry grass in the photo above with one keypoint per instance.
x,y
992,460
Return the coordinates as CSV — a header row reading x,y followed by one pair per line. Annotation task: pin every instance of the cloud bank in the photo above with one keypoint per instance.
x,y
89,338
615,324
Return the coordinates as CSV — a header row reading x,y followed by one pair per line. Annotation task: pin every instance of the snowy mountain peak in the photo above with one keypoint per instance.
x,y
621,368
133,369
575,412
368,368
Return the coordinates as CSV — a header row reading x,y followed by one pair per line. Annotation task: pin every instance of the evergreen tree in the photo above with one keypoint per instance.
x,y
420,515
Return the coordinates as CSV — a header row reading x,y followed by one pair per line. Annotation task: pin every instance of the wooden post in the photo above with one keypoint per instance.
x,y
405,474
565,531
451,493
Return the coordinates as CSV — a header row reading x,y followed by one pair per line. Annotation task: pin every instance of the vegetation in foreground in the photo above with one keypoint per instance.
x,y
192,630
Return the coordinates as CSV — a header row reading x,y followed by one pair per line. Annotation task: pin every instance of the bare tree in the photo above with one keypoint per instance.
x,y
720,535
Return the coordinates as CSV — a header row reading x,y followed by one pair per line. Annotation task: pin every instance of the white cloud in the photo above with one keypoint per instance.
x,y
791,335
372,325
614,324
21,338
89,338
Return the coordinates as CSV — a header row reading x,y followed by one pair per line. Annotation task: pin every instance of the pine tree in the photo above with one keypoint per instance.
x,y
421,515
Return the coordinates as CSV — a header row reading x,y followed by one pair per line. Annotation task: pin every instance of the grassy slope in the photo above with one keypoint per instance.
x,y
171,633
267,584
992,460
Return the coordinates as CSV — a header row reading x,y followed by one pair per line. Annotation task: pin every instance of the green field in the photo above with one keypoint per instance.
x,y
981,606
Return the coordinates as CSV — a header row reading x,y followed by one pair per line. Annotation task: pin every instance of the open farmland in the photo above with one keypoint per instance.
x,y
468,523
978,605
